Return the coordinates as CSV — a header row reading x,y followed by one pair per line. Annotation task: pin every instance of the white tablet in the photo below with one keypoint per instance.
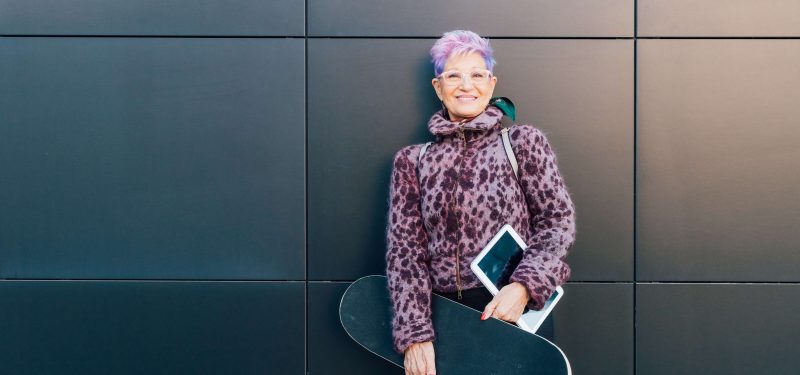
x,y
494,266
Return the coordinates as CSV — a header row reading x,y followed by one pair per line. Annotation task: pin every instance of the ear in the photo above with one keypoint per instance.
x,y
437,88
492,84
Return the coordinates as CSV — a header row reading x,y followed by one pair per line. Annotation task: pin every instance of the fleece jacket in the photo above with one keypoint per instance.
x,y
445,208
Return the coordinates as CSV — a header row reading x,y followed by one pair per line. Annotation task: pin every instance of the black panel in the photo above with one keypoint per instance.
x,y
494,18
717,198
367,99
151,158
330,350
718,18
594,327
717,329
356,125
152,17
580,93
151,327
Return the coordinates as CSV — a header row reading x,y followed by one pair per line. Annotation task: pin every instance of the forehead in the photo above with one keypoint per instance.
x,y
464,62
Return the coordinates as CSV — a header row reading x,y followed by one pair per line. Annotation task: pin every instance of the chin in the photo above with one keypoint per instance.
x,y
467,113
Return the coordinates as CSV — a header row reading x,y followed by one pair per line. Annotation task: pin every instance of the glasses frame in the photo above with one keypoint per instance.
x,y
464,76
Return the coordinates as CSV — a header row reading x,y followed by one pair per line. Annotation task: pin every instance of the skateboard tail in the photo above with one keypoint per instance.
x,y
369,324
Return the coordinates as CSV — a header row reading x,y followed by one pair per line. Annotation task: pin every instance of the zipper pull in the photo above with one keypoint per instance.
x,y
459,293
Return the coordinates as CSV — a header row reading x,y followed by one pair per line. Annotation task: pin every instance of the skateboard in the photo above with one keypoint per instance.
x,y
464,343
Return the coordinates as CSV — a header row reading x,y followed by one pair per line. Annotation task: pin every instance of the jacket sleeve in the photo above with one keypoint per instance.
x,y
407,258
552,217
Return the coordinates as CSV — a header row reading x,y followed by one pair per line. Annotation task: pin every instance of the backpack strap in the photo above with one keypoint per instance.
x,y
508,109
422,152
509,151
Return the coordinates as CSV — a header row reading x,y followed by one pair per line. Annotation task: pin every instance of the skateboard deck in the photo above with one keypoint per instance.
x,y
464,343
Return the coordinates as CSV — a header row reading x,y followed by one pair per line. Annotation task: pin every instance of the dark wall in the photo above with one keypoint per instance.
x,y
188,186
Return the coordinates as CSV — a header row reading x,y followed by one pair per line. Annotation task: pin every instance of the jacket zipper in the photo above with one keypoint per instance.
x,y
455,198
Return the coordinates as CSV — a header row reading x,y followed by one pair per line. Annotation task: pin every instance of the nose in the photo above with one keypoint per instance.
x,y
466,83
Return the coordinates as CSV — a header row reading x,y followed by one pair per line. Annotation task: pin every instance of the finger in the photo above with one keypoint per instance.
x,y
518,313
489,310
500,310
512,316
508,314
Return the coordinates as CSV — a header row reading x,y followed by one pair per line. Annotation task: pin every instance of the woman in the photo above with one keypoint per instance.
x,y
446,206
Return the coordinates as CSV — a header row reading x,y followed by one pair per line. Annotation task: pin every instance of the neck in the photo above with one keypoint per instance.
x,y
460,119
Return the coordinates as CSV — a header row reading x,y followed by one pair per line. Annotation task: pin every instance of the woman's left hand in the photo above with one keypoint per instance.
x,y
508,304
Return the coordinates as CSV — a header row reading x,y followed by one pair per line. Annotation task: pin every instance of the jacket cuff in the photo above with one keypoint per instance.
x,y
538,292
413,332
540,284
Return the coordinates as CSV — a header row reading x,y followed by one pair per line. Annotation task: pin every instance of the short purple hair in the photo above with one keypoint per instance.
x,y
458,42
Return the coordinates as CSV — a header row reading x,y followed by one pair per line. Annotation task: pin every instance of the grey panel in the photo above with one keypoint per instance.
x,y
87,327
366,100
487,18
152,17
594,327
357,124
717,329
717,198
718,18
580,93
151,158
330,350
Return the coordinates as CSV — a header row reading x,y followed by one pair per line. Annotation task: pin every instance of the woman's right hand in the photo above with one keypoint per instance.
x,y
419,359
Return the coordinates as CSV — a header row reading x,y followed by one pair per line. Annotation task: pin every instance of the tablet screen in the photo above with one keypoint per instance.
x,y
499,263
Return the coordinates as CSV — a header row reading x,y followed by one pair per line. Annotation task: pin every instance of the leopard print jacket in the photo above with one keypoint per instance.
x,y
444,211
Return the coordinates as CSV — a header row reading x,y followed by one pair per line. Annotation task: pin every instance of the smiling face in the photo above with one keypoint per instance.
x,y
465,100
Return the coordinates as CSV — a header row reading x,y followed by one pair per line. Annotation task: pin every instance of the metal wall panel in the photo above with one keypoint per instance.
x,y
367,99
139,156
152,17
611,18
93,327
717,329
594,327
717,130
580,93
357,124
330,350
718,18
152,158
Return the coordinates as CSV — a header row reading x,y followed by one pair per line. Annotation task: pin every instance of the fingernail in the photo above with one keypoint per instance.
x,y
483,316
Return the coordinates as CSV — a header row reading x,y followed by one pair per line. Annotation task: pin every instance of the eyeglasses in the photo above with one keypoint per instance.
x,y
456,77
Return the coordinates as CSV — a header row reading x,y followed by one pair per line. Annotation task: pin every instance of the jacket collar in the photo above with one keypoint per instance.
x,y
440,125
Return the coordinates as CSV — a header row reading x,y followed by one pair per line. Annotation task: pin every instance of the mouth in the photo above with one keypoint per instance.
x,y
467,98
